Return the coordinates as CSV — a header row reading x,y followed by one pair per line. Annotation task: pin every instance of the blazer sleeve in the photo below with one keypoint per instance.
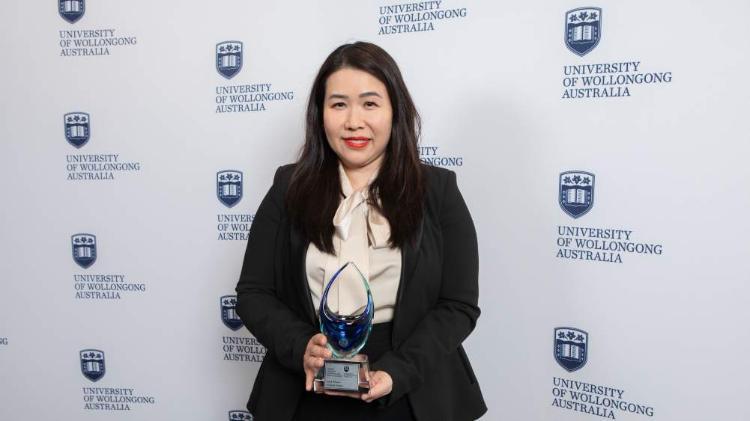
x,y
269,319
439,334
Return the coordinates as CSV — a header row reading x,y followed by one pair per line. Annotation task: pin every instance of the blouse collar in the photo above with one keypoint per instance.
x,y
378,229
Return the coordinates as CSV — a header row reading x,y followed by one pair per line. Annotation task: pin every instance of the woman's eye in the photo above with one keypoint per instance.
x,y
338,105
370,104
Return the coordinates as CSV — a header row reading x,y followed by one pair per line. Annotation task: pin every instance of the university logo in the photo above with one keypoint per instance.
x,y
71,10
92,364
229,312
583,29
240,416
229,58
229,187
576,196
77,128
84,249
571,347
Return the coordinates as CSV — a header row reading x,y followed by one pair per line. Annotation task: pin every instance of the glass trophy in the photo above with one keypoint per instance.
x,y
346,329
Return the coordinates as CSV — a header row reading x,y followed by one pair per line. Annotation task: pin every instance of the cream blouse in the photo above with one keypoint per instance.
x,y
361,235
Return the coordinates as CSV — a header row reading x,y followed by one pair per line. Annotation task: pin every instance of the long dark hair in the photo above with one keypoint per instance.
x,y
315,189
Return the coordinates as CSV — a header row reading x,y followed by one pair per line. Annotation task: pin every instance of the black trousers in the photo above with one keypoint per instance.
x,y
315,407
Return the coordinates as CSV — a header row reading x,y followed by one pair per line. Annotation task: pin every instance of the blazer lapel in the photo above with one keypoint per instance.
x,y
410,255
297,250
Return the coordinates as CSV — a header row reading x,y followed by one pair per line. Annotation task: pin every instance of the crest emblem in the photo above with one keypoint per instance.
x,y
576,192
229,58
229,187
240,416
229,312
84,249
92,364
571,347
71,10
77,128
583,29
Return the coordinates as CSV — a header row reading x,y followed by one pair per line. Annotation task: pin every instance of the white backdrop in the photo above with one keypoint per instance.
x,y
656,283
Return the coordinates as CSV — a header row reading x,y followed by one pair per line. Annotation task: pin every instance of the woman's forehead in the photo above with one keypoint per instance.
x,y
354,82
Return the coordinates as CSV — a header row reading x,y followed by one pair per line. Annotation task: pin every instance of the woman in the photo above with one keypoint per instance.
x,y
359,192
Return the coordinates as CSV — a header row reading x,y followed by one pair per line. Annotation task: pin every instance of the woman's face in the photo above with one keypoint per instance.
x,y
357,117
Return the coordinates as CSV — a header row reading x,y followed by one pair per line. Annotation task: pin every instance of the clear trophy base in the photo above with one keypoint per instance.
x,y
343,375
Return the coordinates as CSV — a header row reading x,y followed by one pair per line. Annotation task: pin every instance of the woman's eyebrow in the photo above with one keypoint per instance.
x,y
362,95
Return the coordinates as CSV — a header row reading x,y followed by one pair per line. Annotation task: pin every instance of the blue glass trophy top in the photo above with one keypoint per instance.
x,y
347,333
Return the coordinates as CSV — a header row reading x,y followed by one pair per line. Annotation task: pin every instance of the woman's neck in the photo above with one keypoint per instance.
x,y
359,178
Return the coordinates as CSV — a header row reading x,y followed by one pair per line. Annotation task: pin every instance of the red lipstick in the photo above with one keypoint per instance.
x,y
358,142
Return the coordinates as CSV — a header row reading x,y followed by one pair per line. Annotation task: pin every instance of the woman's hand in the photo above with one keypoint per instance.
x,y
381,384
312,360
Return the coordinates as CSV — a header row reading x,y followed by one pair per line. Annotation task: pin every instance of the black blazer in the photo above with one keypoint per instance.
x,y
435,311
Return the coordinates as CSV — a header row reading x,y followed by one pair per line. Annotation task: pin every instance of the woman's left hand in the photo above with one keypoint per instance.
x,y
381,384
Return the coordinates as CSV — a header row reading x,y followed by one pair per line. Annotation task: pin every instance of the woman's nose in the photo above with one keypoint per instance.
x,y
354,119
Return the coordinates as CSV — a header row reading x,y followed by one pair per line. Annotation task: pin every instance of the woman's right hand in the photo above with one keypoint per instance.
x,y
312,360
